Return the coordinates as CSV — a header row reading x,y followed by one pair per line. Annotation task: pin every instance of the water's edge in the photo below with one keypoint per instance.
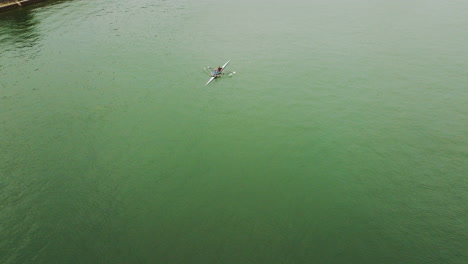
x,y
6,5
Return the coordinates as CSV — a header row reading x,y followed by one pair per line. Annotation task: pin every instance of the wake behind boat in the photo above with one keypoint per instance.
x,y
217,73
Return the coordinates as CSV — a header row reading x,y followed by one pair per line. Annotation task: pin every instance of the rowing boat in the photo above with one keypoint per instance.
x,y
216,76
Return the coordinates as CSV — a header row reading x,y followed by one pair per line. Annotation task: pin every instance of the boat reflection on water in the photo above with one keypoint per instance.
x,y
18,30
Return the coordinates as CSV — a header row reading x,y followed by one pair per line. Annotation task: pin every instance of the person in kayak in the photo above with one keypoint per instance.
x,y
217,72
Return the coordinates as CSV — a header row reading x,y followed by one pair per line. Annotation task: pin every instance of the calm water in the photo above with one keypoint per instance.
x,y
343,137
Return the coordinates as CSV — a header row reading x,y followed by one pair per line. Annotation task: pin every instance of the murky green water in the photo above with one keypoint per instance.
x,y
341,139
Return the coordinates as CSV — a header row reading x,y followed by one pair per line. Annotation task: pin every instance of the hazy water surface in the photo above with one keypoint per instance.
x,y
342,138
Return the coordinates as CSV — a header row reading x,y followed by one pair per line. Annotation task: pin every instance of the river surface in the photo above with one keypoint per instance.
x,y
342,137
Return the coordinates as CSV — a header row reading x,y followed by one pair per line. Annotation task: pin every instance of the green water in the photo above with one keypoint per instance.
x,y
343,137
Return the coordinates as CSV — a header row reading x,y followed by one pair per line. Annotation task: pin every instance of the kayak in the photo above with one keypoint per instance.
x,y
214,77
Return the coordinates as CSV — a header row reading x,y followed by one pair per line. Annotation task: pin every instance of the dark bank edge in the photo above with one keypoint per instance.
x,y
13,4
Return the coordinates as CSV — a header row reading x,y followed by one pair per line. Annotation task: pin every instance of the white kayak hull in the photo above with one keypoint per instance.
x,y
210,80
222,69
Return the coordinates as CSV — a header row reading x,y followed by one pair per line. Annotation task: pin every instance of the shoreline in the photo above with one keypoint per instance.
x,y
12,4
